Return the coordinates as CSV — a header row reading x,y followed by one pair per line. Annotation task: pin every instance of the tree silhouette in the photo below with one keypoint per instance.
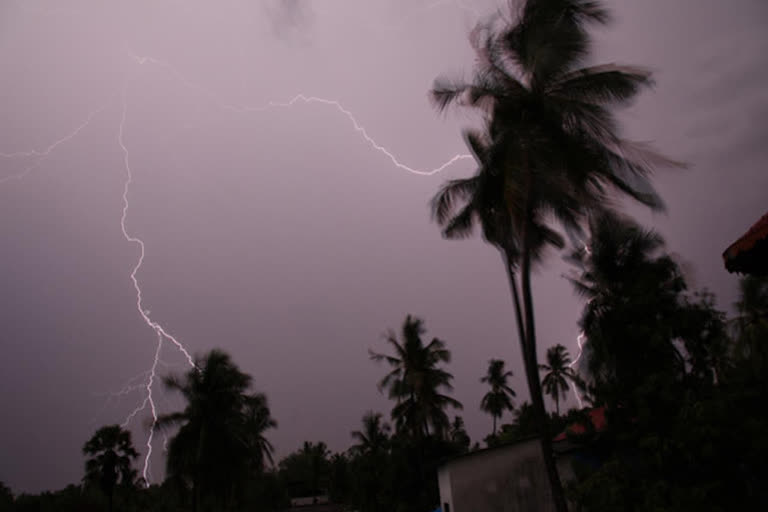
x,y
6,498
306,471
499,398
371,461
416,380
549,150
374,436
633,312
458,434
558,374
110,455
257,420
220,440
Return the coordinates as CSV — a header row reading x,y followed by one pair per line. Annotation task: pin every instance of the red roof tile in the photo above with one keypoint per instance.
x,y
750,252
596,417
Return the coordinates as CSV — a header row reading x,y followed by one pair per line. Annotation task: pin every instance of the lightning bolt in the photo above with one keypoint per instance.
x,y
149,400
580,340
130,385
301,98
144,313
152,324
40,155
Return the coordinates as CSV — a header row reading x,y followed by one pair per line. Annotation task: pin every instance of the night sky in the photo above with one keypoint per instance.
x,y
282,235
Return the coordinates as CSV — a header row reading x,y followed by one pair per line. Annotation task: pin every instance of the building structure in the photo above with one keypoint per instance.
x,y
512,477
749,254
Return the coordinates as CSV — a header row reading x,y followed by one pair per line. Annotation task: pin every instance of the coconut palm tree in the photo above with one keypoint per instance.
x,y
257,420
110,457
558,374
416,381
634,313
549,150
374,436
220,438
499,398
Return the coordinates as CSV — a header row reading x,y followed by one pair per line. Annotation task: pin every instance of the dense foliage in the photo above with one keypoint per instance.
x,y
682,397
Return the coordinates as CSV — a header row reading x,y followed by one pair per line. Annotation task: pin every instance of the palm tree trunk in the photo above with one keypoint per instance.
x,y
494,425
508,258
532,374
197,478
557,403
111,492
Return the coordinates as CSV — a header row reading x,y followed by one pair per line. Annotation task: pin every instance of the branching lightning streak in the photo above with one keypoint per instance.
x,y
147,386
161,332
361,130
39,155
129,179
580,340
302,98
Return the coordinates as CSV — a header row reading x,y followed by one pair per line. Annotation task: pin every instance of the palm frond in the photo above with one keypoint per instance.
x,y
453,191
446,91
601,84
461,225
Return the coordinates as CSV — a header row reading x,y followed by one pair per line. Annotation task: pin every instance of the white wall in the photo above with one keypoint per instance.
x,y
505,479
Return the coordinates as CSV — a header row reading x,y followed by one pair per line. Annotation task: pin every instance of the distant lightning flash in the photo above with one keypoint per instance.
x,y
39,155
580,340
301,98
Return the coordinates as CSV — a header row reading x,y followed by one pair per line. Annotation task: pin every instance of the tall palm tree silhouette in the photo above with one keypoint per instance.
x,y
549,150
220,440
558,374
416,381
499,398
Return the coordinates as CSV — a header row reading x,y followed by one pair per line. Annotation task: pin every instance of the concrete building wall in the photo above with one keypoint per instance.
x,y
444,482
506,479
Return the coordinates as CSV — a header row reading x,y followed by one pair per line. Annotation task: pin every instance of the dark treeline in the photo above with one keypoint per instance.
x,y
681,384
219,458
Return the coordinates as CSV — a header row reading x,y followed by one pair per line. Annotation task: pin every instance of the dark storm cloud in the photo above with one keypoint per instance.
x,y
291,19
727,104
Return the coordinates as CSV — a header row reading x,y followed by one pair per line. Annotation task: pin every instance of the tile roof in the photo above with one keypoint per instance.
x,y
749,254
596,417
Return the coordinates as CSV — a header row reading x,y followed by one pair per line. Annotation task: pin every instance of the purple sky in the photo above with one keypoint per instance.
x,y
282,235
